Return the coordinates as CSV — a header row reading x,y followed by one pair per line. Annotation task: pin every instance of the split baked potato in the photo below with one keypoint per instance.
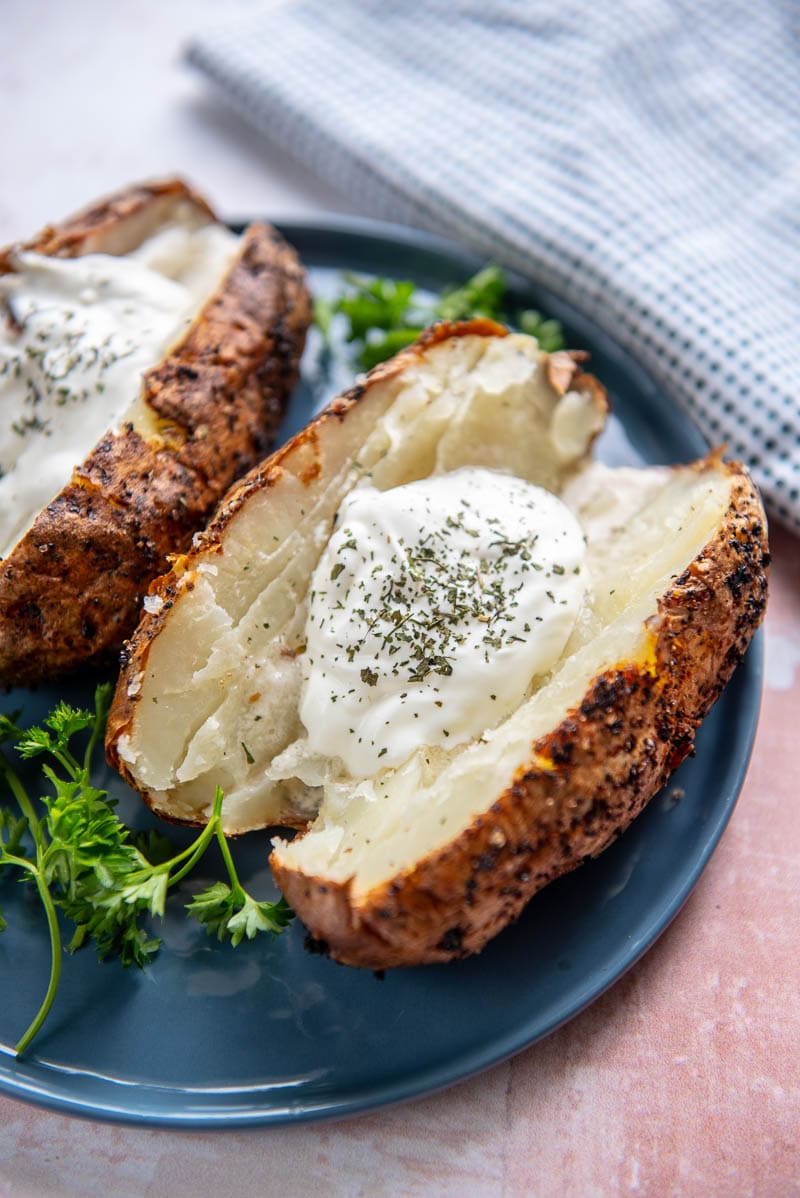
x,y
146,357
426,858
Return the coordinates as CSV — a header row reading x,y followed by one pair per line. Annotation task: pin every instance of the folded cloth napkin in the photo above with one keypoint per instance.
x,y
640,158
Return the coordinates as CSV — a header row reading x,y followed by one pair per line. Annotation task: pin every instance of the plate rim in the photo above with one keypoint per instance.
x,y
437,1077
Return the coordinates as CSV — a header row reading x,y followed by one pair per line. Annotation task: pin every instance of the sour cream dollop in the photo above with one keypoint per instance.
x,y
432,609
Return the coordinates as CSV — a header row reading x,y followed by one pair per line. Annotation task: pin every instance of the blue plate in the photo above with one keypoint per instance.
x,y
211,1036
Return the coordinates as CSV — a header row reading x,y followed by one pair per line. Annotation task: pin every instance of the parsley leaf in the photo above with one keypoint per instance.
x,y
86,864
230,913
375,304
482,295
228,910
381,316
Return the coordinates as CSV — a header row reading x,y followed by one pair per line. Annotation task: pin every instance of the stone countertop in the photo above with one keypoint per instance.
x,y
684,1078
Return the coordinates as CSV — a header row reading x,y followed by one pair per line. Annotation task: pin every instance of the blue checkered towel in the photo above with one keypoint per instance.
x,y
642,158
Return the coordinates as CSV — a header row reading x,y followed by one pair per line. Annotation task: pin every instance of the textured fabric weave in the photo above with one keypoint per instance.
x,y
640,158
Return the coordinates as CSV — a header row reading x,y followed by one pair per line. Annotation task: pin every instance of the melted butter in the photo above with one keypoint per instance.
x,y
79,335
432,609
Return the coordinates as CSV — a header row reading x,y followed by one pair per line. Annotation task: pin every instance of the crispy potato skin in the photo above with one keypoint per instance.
x,y
70,590
605,761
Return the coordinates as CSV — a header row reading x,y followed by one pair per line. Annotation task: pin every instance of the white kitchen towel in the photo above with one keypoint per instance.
x,y
641,157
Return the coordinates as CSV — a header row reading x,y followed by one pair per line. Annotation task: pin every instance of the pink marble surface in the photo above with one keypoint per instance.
x,y
684,1079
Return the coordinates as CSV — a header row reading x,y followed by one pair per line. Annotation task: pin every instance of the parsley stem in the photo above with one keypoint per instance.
x,y
237,891
38,876
8,848
14,862
55,957
102,697
196,850
65,758
25,805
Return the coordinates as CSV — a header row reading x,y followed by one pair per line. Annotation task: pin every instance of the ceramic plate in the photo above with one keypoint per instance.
x,y
267,1033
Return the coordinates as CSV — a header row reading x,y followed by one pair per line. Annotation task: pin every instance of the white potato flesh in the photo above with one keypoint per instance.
x,y
218,699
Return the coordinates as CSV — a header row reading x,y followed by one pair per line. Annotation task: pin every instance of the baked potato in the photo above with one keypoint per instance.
x,y
423,853
146,357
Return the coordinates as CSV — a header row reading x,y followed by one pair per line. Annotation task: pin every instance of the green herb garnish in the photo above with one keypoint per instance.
x,y
87,865
382,316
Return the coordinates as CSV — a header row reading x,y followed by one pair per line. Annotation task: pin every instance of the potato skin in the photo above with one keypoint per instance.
x,y
603,763
70,590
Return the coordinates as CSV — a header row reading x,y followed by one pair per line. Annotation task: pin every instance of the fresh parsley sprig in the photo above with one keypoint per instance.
x,y
88,865
382,316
